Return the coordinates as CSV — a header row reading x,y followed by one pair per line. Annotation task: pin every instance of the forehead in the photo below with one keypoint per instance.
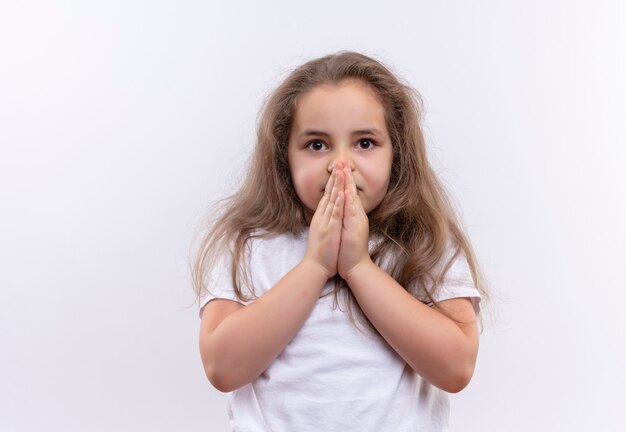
x,y
350,103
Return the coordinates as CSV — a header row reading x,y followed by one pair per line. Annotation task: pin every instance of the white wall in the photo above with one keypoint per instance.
x,y
120,121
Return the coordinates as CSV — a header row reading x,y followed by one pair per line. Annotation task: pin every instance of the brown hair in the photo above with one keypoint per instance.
x,y
415,221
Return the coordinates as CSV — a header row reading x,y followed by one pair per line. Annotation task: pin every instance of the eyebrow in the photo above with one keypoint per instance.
x,y
309,132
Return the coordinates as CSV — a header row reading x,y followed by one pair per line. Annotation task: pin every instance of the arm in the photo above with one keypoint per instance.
x,y
237,343
440,349
436,347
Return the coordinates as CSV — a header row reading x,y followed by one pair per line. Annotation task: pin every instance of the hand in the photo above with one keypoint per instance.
x,y
325,227
355,230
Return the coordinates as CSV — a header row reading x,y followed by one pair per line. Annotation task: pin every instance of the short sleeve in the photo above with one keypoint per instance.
x,y
219,283
458,282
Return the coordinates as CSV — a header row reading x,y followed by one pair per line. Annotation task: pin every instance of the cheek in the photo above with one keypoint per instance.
x,y
385,165
378,173
387,177
306,181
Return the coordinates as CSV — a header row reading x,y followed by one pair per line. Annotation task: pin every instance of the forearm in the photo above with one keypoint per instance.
x,y
247,341
432,344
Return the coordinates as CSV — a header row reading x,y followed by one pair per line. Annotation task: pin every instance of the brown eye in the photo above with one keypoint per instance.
x,y
365,144
316,146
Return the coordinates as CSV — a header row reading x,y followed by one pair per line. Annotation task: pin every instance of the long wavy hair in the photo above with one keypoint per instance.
x,y
415,222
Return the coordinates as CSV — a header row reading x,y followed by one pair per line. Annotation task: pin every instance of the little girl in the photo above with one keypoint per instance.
x,y
337,290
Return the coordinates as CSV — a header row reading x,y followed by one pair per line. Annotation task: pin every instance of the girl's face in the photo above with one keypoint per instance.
x,y
335,123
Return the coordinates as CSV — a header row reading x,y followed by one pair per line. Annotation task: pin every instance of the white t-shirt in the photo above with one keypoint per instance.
x,y
330,376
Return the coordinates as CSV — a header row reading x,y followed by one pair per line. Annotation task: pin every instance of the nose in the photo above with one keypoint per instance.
x,y
341,156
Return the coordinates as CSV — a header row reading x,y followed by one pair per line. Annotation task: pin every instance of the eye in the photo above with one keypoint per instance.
x,y
316,146
365,144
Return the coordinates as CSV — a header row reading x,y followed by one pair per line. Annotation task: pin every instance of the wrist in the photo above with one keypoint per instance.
x,y
315,270
359,271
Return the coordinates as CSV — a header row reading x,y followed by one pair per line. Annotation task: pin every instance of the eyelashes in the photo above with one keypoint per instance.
x,y
319,145
316,145
371,142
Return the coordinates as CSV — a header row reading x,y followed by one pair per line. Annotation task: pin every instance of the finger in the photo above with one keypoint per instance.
x,y
342,180
337,188
322,204
353,186
358,205
348,210
330,183
327,196
356,208
337,215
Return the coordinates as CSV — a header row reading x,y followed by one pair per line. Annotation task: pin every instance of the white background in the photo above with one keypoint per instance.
x,y
121,121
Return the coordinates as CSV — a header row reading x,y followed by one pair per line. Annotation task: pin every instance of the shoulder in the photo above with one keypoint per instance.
x,y
455,258
458,280
263,242
271,255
